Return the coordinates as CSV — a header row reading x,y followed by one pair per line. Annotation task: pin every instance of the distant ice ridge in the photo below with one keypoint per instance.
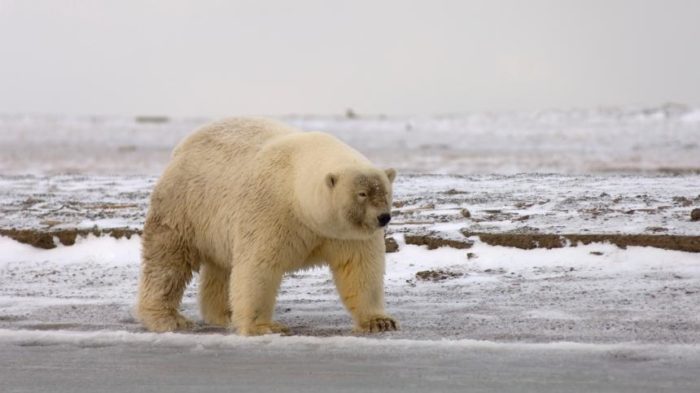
x,y
616,139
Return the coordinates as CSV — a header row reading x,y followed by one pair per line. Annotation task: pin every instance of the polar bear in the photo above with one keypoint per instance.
x,y
244,201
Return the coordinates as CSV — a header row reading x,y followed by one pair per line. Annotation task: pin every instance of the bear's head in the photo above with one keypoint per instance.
x,y
360,200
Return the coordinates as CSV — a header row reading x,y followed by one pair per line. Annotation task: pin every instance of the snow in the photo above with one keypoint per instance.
x,y
503,294
101,250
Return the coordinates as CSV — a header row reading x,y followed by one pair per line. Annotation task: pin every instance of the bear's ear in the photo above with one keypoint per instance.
x,y
391,174
331,180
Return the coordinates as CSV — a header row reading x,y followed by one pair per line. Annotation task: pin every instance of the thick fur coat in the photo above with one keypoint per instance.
x,y
244,201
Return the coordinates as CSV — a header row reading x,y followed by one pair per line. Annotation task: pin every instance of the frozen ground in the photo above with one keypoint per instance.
x,y
525,203
594,317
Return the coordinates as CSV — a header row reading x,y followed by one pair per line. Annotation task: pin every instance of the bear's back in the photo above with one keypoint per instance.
x,y
231,138
212,177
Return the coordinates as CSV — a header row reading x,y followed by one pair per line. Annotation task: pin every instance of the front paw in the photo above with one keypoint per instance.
x,y
377,324
221,319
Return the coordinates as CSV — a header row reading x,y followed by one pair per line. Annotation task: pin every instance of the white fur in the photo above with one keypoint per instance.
x,y
245,201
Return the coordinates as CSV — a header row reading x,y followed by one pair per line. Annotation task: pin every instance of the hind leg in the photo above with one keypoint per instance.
x,y
213,295
165,273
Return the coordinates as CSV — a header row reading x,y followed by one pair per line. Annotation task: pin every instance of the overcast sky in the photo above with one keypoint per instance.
x,y
217,58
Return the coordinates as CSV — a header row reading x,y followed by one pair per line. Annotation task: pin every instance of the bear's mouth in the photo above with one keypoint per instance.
x,y
370,227
358,220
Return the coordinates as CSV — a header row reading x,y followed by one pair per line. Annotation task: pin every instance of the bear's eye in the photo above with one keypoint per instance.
x,y
362,194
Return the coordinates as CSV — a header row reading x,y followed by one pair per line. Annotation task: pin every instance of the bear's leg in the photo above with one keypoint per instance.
x,y
358,272
164,276
213,294
253,293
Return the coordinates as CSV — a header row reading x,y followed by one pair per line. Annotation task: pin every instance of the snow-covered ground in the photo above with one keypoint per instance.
x,y
593,317
596,293
542,203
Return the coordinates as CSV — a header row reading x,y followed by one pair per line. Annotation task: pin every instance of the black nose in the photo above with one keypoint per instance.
x,y
383,219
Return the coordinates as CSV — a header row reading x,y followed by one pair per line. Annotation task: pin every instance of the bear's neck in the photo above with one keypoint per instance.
x,y
313,207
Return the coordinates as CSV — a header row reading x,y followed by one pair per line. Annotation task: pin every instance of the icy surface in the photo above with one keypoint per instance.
x,y
76,362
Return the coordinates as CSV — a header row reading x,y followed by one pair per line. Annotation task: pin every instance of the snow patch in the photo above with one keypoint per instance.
x,y
103,250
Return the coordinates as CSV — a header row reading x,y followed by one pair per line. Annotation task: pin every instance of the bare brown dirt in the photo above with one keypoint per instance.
x,y
527,241
45,238
437,275
67,237
391,245
695,215
434,241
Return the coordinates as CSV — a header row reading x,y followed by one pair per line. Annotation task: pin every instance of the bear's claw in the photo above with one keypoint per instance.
x,y
167,323
264,328
378,324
